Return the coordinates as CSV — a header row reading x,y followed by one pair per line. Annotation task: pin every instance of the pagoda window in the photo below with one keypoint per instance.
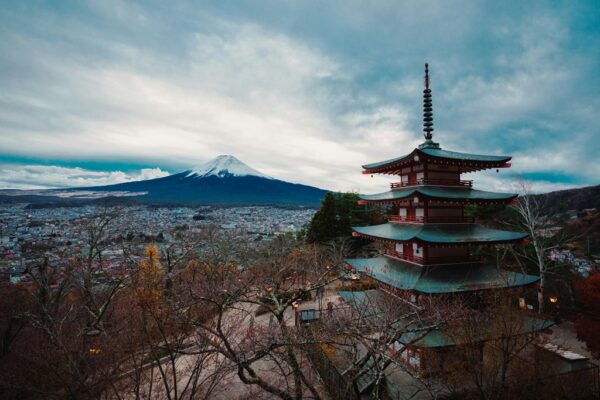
x,y
420,176
402,212
417,250
414,359
420,213
399,248
404,179
411,357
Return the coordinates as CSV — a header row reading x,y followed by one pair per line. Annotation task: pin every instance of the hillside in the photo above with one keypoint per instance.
x,y
571,199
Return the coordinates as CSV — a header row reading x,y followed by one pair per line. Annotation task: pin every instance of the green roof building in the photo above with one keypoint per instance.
x,y
430,239
428,254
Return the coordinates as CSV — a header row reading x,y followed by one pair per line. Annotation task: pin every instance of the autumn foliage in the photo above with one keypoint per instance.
x,y
149,280
588,323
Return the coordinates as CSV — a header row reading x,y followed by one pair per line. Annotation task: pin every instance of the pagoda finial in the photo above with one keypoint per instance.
x,y
427,107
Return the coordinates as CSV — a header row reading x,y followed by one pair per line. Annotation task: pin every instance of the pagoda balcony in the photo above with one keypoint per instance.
x,y
433,220
404,257
435,182
431,260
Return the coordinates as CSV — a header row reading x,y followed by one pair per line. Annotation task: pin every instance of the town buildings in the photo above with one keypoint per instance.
x,y
28,234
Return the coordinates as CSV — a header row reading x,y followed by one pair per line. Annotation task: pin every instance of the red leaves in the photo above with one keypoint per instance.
x,y
587,331
588,325
588,293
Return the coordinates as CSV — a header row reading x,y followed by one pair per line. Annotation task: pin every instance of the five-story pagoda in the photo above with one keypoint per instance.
x,y
431,238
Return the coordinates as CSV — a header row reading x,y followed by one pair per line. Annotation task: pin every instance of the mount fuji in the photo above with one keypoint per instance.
x,y
225,180
223,167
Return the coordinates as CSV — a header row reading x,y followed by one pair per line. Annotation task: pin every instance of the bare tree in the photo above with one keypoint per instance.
x,y
203,329
378,330
69,307
252,302
492,356
533,219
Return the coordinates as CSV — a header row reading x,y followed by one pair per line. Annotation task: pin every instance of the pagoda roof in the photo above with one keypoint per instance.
x,y
370,304
439,233
484,161
437,338
438,278
438,192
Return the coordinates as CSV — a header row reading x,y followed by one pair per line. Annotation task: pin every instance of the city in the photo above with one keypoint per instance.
x,y
26,234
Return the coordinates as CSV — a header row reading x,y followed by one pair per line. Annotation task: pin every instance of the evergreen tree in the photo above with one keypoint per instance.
x,y
339,212
323,225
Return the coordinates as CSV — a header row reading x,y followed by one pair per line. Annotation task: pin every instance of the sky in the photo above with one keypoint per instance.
x,y
106,91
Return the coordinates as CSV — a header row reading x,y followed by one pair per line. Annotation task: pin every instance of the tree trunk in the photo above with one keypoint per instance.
x,y
542,286
541,293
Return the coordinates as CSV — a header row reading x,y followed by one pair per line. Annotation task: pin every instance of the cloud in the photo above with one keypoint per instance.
x,y
47,177
302,93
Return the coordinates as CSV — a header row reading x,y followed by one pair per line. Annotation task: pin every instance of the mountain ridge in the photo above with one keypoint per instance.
x,y
224,181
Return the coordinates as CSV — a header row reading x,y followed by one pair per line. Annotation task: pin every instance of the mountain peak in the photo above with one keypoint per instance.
x,y
224,166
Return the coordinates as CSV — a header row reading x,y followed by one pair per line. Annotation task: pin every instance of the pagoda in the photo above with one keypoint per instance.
x,y
428,253
430,239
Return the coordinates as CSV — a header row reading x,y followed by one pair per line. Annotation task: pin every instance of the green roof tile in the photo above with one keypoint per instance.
x,y
437,338
439,233
439,153
436,192
369,303
464,156
438,279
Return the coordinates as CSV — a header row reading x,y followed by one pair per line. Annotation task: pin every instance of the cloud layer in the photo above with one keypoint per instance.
x,y
300,91
46,177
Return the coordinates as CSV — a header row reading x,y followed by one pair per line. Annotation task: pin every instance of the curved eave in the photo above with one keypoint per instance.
x,y
381,166
439,193
438,279
451,234
468,162
466,157
437,338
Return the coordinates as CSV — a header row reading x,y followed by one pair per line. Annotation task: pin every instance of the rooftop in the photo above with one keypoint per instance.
x,y
438,279
445,193
466,160
439,233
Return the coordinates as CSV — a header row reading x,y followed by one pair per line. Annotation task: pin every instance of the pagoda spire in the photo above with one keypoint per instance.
x,y
427,107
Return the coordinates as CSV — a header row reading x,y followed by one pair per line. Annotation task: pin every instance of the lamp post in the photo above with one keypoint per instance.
x,y
320,293
295,305
555,307
89,347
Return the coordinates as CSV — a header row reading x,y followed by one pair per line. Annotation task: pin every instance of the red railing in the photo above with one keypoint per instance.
x,y
432,260
439,220
430,181
406,257
405,218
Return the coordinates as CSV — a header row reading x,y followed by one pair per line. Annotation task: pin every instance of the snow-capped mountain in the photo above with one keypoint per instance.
x,y
224,180
223,166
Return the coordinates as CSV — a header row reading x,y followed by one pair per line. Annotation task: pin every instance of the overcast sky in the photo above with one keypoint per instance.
x,y
98,92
